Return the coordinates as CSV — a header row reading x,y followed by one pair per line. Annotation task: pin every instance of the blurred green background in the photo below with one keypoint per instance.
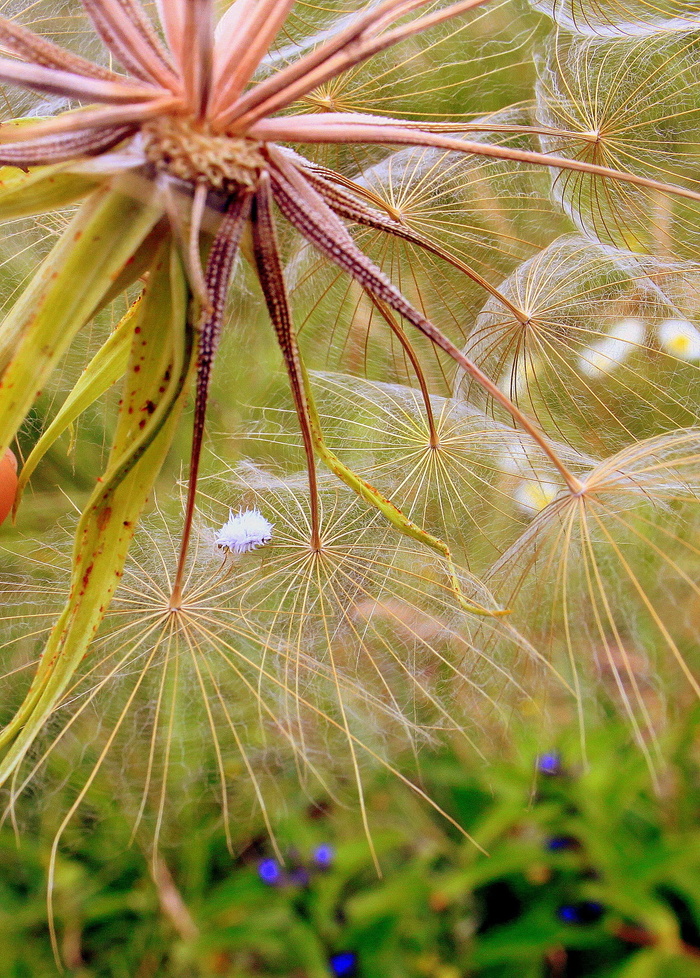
x,y
588,873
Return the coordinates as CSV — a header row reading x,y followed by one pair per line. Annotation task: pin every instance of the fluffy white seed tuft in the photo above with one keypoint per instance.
x,y
244,531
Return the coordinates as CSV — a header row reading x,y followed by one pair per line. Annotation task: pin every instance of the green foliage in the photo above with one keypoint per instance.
x,y
588,873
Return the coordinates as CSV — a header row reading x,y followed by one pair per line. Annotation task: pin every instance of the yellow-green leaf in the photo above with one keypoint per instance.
x,y
63,296
41,190
105,369
161,359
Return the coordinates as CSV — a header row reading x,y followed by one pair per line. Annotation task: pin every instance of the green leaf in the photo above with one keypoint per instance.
x,y
137,265
41,190
105,369
161,359
63,296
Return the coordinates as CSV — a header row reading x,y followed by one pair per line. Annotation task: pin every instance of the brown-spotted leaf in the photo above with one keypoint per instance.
x,y
41,190
64,294
162,357
105,368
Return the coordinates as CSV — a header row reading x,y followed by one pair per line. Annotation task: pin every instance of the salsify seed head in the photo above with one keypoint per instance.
x,y
191,152
517,283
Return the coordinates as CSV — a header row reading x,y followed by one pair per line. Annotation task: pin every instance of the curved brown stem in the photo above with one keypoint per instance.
x,y
269,268
324,230
218,275
399,333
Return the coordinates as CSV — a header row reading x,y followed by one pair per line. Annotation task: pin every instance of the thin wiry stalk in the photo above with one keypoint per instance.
x,y
396,329
218,275
272,281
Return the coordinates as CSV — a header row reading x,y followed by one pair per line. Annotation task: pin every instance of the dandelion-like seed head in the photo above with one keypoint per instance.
x,y
609,579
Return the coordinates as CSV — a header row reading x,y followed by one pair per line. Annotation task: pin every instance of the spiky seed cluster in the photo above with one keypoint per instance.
x,y
197,155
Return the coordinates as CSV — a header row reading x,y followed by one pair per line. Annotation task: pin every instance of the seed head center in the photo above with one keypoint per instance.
x,y
187,150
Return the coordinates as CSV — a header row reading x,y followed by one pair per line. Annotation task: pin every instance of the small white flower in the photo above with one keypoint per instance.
x,y
518,376
606,354
515,458
533,495
680,338
244,531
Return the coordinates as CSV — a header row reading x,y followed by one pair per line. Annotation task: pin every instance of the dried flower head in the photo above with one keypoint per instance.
x,y
611,581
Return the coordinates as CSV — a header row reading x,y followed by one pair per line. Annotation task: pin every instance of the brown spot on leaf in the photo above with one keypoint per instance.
x,y
86,578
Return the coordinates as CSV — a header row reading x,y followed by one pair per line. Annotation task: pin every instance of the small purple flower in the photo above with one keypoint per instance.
x,y
585,912
549,763
270,872
343,964
323,856
562,843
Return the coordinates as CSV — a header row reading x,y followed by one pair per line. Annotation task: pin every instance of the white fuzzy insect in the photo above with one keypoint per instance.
x,y
244,531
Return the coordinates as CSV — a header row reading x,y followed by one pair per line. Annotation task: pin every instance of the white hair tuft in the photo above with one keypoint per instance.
x,y
244,531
